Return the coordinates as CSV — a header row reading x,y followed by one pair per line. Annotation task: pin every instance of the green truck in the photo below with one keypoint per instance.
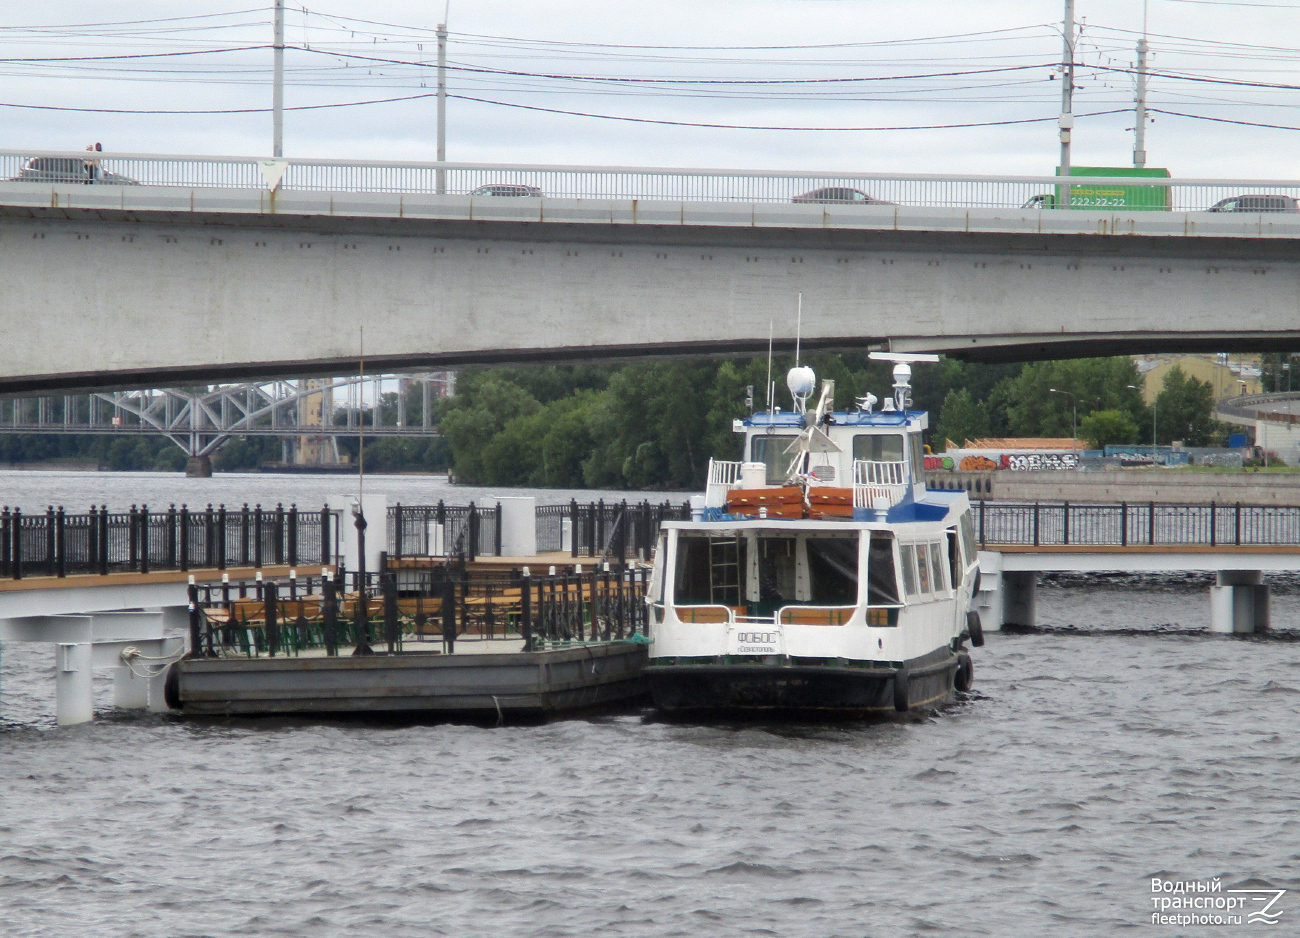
x,y
1134,198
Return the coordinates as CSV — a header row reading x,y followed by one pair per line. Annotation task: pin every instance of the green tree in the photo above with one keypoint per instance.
x,y
478,413
961,418
1185,411
1103,428
1042,399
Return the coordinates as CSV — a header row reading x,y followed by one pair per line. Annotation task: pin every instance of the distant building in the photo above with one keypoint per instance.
x,y
1228,376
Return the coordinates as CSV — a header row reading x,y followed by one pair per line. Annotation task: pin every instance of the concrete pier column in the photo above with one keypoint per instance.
x,y
130,690
198,467
1020,598
1239,602
74,692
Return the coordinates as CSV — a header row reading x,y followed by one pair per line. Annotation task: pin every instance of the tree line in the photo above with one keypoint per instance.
x,y
654,425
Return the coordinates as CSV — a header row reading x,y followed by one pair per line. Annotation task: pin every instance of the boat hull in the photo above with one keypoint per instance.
x,y
741,688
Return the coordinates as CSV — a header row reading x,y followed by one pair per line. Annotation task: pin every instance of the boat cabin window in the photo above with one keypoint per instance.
x,y
937,568
709,570
771,451
878,447
908,554
766,573
924,570
882,584
969,549
918,454
832,571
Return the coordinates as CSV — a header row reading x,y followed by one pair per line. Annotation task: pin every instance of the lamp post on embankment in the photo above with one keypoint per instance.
x,y
1074,408
1155,402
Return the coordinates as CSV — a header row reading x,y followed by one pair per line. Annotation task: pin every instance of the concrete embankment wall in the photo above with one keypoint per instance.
x,y
1126,485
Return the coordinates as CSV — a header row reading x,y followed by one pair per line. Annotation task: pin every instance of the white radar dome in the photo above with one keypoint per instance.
x,y
802,381
902,373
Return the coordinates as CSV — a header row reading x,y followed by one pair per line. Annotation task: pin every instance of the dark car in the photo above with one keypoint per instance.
x,y
839,195
1256,203
61,169
530,192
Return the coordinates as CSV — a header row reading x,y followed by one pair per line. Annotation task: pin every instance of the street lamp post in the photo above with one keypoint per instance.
x,y
1074,407
1155,401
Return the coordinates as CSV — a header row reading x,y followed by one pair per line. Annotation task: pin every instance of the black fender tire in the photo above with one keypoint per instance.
x,y
172,687
901,703
964,677
975,628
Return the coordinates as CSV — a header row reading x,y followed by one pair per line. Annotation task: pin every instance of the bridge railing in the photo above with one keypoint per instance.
x,y
59,543
623,182
1061,524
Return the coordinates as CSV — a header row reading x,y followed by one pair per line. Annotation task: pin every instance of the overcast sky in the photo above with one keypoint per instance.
x,y
984,62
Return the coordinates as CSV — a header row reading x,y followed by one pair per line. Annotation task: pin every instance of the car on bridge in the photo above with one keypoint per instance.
x,y
514,191
69,170
837,195
1256,203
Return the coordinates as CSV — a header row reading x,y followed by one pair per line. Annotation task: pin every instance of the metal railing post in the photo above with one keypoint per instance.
x,y
293,535
60,543
1214,522
326,557
144,538
1237,523
1066,528
17,550
1035,524
397,530
221,537
1123,524
573,527
185,537
1151,523
498,532
103,540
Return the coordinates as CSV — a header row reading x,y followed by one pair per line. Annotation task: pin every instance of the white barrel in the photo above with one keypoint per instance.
x,y
753,475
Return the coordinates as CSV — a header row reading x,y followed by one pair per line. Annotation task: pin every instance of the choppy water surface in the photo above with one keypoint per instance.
x,y
1117,745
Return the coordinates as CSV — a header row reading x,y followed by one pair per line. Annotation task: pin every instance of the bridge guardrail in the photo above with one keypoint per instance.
x,y
1062,524
1255,407
616,182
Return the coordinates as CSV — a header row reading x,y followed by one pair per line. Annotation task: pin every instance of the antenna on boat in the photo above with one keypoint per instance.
x,y
769,388
902,374
798,330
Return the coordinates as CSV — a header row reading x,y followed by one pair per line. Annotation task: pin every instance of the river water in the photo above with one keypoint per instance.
x,y
1117,744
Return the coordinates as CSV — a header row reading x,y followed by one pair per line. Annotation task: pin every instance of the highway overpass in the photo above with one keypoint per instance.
x,y
216,268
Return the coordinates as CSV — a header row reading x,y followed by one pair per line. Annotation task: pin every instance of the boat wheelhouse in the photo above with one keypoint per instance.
x,y
821,574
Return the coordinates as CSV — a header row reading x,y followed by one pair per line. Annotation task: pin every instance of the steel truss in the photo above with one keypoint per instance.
x,y
200,420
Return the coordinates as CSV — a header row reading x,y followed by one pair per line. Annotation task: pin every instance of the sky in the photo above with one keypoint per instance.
x,y
756,63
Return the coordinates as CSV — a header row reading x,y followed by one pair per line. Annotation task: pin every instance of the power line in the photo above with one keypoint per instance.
x,y
1222,120
240,110
670,123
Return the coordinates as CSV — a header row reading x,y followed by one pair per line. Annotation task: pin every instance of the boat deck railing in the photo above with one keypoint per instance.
x,y
409,609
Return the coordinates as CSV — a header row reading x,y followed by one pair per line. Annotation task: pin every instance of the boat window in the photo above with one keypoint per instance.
x,y
882,584
909,569
833,571
936,567
878,447
923,569
708,570
918,455
968,538
954,559
771,451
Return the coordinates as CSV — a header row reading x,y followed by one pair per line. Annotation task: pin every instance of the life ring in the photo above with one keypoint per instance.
x,y
900,690
964,676
975,628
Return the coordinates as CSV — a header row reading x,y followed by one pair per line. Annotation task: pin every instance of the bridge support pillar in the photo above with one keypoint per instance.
x,y
74,692
1239,603
1020,598
987,600
198,467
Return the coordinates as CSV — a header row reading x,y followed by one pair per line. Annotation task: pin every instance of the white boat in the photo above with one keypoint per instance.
x,y
821,574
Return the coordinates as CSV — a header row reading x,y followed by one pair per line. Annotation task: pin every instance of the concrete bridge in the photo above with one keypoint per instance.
x,y
213,268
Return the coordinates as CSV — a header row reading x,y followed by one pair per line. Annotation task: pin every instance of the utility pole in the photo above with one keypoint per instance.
x,y
1067,98
1140,98
277,94
442,107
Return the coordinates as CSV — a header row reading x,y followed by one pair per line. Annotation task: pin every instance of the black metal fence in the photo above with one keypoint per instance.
x,y
58,543
1137,523
443,530
385,612
606,530
617,530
